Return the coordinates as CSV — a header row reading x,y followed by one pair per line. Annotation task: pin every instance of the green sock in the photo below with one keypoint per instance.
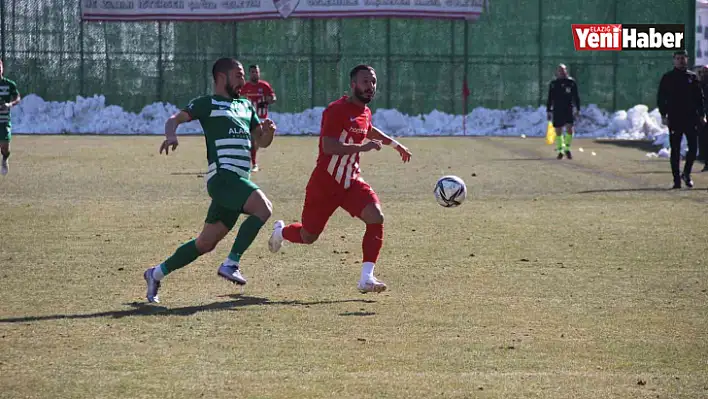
x,y
568,140
559,142
183,256
246,234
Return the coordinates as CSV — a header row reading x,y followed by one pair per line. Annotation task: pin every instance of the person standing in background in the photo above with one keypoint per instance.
x,y
261,95
680,101
563,107
703,133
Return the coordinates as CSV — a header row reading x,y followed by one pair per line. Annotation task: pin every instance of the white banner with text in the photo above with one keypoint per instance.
x,y
244,10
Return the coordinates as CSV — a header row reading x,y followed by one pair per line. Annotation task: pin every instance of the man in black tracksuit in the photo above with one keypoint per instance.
x,y
563,106
680,101
703,134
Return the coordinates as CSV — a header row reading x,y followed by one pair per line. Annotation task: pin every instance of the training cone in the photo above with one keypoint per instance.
x,y
550,134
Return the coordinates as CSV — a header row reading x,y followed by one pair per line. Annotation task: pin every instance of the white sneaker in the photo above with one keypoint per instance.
x,y
153,286
232,274
255,168
5,168
371,285
276,237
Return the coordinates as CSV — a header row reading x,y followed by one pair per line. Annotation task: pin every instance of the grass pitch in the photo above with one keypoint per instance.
x,y
556,279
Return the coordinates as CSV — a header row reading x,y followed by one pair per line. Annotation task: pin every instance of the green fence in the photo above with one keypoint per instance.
x,y
509,55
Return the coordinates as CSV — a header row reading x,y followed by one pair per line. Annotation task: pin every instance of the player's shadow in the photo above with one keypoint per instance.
x,y
518,159
145,309
642,145
198,174
628,190
359,314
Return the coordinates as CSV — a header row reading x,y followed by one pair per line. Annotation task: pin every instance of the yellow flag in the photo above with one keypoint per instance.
x,y
550,133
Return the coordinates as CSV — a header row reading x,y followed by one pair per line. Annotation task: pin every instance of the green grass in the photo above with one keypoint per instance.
x,y
555,279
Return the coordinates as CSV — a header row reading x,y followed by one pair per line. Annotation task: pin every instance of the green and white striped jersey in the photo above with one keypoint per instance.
x,y
8,93
227,128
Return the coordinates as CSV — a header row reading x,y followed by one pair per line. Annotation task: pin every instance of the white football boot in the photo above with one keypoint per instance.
x,y
371,285
231,273
276,237
153,286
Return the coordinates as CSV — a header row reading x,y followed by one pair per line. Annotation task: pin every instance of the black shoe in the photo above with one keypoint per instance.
x,y
676,186
568,155
560,155
687,180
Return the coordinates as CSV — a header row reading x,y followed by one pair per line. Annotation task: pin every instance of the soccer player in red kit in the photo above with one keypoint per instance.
x,y
261,95
336,182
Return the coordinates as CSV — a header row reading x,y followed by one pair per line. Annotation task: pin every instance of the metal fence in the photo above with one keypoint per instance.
x,y
508,55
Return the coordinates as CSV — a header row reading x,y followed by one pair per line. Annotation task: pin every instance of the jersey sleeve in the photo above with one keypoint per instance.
x,y
197,108
332,124
267,89
13,91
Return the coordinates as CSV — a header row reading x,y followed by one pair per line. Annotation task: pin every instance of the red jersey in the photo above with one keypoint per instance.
x,y
256,93
348,123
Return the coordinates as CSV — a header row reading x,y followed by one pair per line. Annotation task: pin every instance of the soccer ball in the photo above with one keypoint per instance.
x,y
450,191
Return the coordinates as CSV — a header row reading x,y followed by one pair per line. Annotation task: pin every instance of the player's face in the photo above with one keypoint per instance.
x,y
562,72
255,74
364,86
235,81
680,61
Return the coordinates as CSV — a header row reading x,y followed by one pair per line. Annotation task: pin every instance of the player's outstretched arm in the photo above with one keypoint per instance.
x,y
332,146
376,134
171,131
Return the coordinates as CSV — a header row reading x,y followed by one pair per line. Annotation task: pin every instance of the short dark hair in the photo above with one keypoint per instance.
x,y
680,52
253,66
224,65
360,67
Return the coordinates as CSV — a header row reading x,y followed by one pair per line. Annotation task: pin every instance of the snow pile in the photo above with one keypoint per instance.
x,y
92,115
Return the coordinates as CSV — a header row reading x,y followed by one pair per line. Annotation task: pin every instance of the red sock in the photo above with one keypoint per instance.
x,y
291,233
253,155
372,243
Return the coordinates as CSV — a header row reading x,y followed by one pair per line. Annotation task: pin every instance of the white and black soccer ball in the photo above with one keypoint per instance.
x,y
450,191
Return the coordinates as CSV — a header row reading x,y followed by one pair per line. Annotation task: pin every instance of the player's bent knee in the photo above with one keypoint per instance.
x,y
259,206
372,214
205,245
265,212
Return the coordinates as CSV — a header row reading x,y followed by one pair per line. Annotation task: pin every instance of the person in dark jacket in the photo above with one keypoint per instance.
x,y
703,135
563,107
680,100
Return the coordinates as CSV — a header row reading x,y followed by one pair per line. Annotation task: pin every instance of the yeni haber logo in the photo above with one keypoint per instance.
x,y
618,37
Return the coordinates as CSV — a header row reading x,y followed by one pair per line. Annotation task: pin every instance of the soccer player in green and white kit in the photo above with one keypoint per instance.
x,y
9,97
230,123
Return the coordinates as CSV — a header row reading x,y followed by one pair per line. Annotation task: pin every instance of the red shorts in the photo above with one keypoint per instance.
x,y
324,195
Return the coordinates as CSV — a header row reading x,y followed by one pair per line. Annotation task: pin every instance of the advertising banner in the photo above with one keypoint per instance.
x,y
243,10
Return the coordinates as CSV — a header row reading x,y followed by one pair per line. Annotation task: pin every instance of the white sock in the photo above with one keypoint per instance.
x,y
230,262
157,273
367,271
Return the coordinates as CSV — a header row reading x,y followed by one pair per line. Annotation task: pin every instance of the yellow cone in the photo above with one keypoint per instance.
x,y
550,133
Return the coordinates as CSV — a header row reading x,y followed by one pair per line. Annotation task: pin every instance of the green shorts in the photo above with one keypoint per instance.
x,y
228,193
5,133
